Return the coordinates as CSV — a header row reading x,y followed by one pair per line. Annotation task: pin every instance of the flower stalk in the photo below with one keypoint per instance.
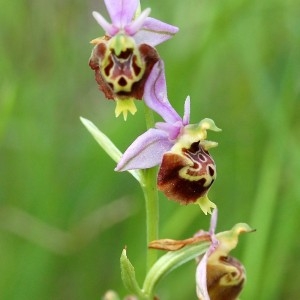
x,y
152,211
151,199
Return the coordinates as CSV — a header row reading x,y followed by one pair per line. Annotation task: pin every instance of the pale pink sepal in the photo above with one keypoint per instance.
x,y
146,151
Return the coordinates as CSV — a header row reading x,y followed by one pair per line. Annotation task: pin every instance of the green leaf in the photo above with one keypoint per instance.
x,y
171,261
128,276
108,146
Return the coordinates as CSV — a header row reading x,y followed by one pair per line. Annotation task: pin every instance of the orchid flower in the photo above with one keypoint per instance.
x,y
219,276
186,169
124,57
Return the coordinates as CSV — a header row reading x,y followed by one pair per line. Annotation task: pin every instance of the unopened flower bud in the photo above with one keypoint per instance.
x,y
111,295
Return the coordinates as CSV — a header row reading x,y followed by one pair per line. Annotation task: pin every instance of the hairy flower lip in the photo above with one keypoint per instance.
x,y
230,261
187,175
121,70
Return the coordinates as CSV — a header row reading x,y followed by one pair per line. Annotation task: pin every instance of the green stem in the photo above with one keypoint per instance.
x,y
149,117
151,200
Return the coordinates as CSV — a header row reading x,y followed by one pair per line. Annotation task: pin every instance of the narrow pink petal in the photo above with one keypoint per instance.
x,y
186,117
155,94
201,281
212,228
133,27
108,28
154,32
121,12
146,151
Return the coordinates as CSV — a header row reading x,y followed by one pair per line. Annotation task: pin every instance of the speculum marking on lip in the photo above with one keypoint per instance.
x,y
187,176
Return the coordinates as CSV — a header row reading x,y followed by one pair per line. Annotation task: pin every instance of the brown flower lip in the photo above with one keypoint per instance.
x,y
122,76
225,279
187,176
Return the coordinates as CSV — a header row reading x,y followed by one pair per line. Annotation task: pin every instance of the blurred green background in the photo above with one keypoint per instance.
x,y
65,215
